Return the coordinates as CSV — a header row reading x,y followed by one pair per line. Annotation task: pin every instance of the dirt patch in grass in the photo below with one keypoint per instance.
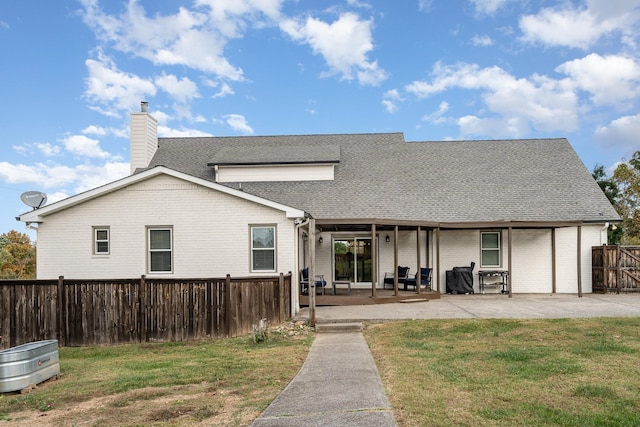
x,y
192,405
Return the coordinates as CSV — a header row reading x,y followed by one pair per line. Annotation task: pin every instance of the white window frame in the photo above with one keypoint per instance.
x,y
252,249
151,251
97,241
498,249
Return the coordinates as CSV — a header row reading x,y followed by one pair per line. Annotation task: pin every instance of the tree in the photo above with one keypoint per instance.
x,y
17,256
627,178
610,189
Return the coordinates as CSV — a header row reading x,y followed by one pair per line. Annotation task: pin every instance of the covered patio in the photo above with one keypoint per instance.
x,y
363,297
382,250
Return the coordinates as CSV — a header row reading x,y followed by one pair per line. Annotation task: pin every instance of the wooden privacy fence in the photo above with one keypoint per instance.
x,y
615,268
94,312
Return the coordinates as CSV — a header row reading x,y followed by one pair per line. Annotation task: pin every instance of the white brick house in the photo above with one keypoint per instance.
x,y
213,206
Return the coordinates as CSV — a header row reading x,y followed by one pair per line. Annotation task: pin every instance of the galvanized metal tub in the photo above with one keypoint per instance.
x,y
30,363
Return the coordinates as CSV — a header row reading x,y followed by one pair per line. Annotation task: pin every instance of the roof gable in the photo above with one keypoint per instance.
x,y
38,214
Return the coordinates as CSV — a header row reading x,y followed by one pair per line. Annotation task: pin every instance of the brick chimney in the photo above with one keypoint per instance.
x,y
144,137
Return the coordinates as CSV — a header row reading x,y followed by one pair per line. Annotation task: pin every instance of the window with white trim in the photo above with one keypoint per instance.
x,y
490,249
263,248
160,243
101,241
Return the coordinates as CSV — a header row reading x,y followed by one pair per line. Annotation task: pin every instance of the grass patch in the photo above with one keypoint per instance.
x,y
569,372
205,376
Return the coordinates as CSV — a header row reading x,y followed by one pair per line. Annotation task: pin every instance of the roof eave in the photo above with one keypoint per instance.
x,y
36,216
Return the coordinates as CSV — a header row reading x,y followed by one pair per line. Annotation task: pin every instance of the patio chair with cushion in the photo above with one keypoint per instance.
x,y
321,284
425,280
403,273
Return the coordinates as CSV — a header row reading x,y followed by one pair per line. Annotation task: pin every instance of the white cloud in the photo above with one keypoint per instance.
x,y
65,179
40,175
94,130
344,44
496,127
92,176
541,102
390,100
622,132
224,90
192,38
581,26
361,4
44,148
437,117
231,17
167,132
611,80
488,7
239,123
56,196
424,5
111,90
481,40
183,90
83,146
47,149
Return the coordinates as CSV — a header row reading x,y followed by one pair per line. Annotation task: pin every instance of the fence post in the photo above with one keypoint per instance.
x,y
61,319
281,298
618,255
227,306
142,311
605,267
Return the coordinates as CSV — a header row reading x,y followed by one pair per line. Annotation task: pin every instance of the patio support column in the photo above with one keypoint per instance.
x,y
579,263
395,261
437,230
510,263
374,259
419,277
311,288
553,260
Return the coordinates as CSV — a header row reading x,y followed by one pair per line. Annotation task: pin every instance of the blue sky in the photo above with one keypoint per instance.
x,y
433,69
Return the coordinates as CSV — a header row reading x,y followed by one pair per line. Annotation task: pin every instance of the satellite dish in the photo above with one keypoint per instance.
x,y
35,199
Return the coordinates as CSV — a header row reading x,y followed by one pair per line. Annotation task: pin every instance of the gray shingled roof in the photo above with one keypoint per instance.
x,y
263,155
383,177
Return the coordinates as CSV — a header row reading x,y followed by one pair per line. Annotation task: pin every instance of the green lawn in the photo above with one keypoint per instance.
x,y
578,372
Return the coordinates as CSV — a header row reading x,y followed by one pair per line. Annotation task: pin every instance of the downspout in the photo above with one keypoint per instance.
x,y
604,232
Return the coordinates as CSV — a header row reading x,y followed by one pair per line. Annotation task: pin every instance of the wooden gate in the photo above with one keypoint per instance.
x,y
615,268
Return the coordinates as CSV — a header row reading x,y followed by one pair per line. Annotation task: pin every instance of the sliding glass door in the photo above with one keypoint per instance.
x,y
352,259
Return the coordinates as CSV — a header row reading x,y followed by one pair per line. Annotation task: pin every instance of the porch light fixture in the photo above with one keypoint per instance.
x,y
320,239
387,239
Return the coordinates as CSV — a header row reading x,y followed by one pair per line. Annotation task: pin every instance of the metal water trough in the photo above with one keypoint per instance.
x,y
26,364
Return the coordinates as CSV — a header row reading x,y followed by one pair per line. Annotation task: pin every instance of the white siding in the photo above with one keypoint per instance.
x,y
458,248
531,252
531,263
210,230
275,173
566,258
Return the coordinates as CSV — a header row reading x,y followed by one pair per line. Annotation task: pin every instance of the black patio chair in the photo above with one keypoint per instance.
x,y
403,273
321,284
425,280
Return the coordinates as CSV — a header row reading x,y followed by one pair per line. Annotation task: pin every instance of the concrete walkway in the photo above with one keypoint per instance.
x,y
339,384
